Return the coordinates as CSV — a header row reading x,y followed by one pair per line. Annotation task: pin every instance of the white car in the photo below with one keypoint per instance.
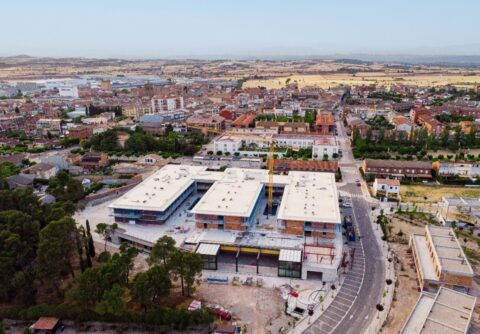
x,y
347,205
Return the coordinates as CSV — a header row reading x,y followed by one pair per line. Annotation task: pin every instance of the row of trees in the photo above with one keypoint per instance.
x,y
418,143
310,117
108,290
143,142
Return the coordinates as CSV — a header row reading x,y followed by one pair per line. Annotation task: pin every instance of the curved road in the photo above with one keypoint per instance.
x,y
355,303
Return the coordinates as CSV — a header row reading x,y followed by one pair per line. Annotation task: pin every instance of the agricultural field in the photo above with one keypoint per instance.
x,y
432,194
370,78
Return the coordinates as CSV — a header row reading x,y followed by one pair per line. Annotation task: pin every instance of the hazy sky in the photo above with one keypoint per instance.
x,y
181,28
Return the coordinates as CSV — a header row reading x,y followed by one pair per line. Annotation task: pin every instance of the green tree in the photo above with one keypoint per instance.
x,y
18,243
56,249
84,238
65,188
91,244
113,301
106,231
161,250
186,266
149,287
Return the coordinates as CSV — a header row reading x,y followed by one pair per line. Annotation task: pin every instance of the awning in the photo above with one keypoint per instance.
x,y
208,249
290,255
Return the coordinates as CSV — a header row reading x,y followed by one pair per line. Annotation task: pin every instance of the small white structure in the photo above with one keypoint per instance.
x,y
389,188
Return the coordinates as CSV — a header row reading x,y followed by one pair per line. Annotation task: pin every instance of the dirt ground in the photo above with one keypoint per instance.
x,y
407,228
417,193
406,292
257,308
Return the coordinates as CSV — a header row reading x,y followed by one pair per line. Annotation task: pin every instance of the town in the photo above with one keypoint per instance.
x,y
234,195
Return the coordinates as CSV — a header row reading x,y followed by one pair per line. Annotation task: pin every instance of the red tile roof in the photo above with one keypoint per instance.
x,y
46,323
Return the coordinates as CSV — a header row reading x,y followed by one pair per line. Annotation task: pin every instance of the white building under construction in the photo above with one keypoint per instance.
x,y
224,216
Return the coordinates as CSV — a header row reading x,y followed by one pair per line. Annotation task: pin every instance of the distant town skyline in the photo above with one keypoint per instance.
x,y
203,29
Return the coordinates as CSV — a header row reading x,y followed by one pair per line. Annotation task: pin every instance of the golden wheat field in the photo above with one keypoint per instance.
x,y
369,78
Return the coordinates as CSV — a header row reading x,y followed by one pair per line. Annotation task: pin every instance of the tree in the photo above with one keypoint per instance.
x,y
113,301
79,246
55,251
106,231
187,267
65,188
18,243
91,245
161,250
150,286
88,258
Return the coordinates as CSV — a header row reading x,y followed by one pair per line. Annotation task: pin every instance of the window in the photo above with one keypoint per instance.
x,y
289,269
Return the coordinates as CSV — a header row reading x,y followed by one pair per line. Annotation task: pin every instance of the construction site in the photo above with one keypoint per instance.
x,y
239,220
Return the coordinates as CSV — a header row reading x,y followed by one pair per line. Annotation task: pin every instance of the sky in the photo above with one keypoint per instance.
x,y
245,28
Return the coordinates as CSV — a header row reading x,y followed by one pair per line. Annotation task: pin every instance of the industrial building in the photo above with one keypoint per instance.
x,y
225,217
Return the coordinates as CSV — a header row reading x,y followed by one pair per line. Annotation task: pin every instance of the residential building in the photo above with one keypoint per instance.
x,y
403,124
93,160
80,132
386,188
440,260
166,103
45,126
397,169
244,121
43,170
469,170
325,147
325,123
206,121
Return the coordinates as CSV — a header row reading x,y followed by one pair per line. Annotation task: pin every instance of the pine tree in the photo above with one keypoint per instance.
x,y
87,251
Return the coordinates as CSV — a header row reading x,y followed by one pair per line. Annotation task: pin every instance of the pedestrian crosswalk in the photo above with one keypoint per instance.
x,y
347,194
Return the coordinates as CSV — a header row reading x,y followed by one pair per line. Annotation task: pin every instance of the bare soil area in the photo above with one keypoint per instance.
x,y
260,309
406,291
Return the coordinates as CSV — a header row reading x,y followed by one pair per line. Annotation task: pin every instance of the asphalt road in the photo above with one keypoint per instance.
x,y
363,309
355,303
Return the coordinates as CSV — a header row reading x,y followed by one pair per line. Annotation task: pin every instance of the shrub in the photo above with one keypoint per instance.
x,y
104,257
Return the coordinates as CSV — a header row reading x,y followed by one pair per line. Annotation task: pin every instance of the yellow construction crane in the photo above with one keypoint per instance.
x,y
271,160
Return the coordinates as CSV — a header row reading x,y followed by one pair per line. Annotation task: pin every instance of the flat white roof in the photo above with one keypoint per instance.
x,y
310,196
159,190
290,255
448,251
208,249
229,198
447,312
